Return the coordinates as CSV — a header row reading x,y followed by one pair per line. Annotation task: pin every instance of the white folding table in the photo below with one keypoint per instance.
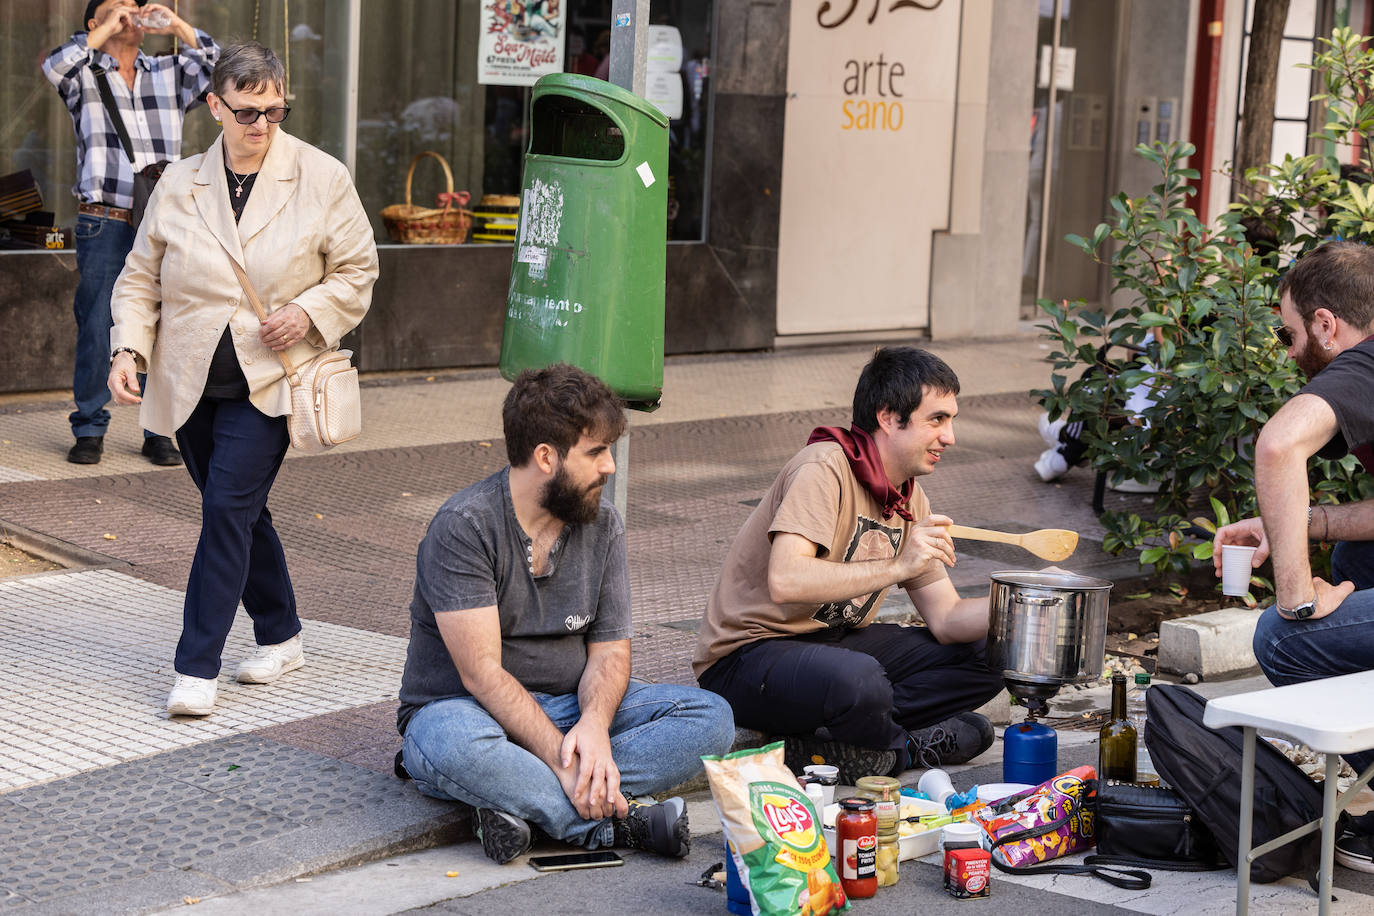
x,y
1332,716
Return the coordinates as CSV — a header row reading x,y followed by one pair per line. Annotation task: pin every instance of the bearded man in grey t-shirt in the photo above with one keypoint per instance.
x,y
517,697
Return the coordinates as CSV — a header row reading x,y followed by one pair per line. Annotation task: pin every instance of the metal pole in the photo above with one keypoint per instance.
x,y
629,48
1329,809
1047,180
353,37
629,43
1247,819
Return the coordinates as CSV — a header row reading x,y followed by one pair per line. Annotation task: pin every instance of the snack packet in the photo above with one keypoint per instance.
x,y
775,835
1053,819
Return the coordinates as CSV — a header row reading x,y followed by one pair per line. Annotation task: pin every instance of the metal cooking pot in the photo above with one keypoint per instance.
x,y
1047,629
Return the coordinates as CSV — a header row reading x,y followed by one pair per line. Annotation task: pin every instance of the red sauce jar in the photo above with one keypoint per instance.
x,y
856,841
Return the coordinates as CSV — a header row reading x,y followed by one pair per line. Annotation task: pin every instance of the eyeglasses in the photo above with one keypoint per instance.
x,y
250,115
1284,335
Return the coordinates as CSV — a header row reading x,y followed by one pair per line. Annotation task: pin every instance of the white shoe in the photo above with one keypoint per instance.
x,y
270,662
1050,429
192,696
1051,465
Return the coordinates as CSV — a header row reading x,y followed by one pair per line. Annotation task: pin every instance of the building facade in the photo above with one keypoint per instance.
x,y
842,170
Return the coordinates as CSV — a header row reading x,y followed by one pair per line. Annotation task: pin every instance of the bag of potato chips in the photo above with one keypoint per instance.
x,y
776,837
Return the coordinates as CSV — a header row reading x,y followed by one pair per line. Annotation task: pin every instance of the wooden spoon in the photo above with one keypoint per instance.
x,y
1053,544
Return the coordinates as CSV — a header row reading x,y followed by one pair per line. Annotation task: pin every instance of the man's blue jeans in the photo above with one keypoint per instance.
x,y
455,751
101,247
1342,642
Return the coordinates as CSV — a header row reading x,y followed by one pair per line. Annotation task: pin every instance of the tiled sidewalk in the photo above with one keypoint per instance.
x,y
85,666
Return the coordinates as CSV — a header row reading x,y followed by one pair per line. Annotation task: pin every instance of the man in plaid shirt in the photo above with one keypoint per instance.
x,y
152,95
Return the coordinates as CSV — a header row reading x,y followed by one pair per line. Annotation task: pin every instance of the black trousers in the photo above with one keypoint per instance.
x,y
232,453
868,687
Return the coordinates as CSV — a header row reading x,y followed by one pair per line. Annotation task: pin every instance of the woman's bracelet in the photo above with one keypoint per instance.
x,y
134,353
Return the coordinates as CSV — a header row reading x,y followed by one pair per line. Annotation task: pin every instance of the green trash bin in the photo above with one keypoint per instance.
x,y
586,282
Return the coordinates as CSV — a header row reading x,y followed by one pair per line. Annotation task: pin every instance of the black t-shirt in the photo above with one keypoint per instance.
x,y
1346,384
225,377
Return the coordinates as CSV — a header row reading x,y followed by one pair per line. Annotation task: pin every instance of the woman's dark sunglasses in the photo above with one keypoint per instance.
x,y
1284,335
250,115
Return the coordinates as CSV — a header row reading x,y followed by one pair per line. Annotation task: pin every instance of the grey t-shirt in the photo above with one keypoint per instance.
x,y
475,555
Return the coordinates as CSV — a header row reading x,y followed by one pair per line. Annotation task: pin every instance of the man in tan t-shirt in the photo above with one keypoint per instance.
x,y
787,636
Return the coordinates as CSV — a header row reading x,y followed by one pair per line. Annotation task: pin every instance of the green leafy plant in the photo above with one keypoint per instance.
x,y
1174,378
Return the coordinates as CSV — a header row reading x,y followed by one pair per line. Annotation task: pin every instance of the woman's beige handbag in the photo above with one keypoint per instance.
x,y
326,405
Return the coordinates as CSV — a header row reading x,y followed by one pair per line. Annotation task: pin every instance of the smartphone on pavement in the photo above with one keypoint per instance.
x,y
601,858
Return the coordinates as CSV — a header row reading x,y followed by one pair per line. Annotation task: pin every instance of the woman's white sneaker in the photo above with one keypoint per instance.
x,y
270,662
192,696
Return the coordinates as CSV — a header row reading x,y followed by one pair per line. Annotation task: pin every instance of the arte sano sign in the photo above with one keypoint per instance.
x,y
866,161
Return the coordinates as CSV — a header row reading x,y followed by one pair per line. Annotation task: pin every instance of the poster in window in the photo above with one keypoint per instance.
x,y
521,40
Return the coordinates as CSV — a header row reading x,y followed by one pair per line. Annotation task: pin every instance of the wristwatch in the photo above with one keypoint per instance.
x,y
1301,612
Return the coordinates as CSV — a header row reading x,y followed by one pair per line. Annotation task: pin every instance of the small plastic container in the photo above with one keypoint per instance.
x,y
962,835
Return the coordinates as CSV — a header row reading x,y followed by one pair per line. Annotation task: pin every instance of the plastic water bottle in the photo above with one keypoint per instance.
x,y
1135,710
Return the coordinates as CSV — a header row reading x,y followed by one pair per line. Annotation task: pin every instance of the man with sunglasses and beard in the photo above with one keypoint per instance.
x,y
1318,629
516,697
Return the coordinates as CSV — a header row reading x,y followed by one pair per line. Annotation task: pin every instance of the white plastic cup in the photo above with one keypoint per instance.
x,y
1235,569
936,785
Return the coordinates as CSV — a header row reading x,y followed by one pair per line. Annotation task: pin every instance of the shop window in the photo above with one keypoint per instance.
x,y
36,128
418,91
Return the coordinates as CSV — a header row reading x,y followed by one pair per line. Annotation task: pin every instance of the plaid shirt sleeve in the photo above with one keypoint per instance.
x,y
165,87
194,67
63,67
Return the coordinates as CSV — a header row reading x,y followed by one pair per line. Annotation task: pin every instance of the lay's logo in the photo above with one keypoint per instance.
x,y
786,815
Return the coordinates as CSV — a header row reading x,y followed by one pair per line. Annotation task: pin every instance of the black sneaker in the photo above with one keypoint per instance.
x,y
86,450
957,739
854,762
660,828
1356,850
504,836
160,450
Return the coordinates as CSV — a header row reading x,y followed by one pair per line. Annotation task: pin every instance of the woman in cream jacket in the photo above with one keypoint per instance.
x,y
289,215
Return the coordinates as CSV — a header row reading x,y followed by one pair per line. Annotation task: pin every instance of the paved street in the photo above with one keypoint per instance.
x,y
106,805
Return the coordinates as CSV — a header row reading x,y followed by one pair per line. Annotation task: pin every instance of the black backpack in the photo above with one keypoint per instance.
x,y
1203,765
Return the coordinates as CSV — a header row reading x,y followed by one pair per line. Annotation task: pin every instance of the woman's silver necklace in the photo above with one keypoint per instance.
x,y
240,181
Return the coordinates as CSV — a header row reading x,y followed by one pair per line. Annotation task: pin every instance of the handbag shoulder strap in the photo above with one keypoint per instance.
x,y
102,83
1141,862
252,295
1125,878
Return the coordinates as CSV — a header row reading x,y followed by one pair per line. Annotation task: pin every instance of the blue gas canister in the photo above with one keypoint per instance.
x,y
1030,753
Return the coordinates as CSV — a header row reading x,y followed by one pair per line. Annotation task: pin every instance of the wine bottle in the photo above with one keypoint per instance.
x,y
1116,740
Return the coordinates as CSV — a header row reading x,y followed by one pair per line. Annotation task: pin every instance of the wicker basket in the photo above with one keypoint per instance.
x,y
412,225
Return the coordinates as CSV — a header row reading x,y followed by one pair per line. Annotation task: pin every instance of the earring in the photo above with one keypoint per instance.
x,y
1326,345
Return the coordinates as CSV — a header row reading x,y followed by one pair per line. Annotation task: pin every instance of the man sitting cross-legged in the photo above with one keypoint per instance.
x,y
788,636
517,697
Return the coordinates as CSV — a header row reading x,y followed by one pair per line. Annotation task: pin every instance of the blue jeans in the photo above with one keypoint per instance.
x,y
232,453
455,750
101,247
1342,642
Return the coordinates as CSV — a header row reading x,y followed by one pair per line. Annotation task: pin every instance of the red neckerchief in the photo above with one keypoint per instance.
x,y
867,465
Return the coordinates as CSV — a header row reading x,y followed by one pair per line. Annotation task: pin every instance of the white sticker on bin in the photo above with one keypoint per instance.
x,y
646,174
